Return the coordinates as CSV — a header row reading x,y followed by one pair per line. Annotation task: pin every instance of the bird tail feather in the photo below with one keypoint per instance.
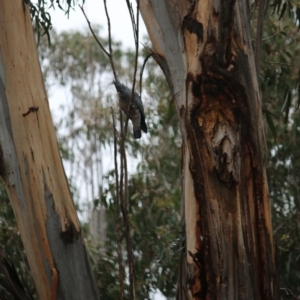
x,y
137,134
143,125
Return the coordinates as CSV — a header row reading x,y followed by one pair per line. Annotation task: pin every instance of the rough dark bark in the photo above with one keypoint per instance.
x,y
32,170
205,49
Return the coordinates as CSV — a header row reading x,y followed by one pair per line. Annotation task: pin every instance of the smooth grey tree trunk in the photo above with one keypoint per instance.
x,y
31,167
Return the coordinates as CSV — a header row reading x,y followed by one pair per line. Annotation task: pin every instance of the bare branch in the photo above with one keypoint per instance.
x,y
109,27
131,14
108,54
142,70
122,181
136,44
260,21
280,64
93,33
117,213
269,37
112,63
125,211
124,171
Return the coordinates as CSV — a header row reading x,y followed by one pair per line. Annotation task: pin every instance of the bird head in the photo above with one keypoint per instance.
x,y
122,89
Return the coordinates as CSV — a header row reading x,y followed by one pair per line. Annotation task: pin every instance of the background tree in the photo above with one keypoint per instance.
x,y
205,50
268,115
153,187
32,170
279,81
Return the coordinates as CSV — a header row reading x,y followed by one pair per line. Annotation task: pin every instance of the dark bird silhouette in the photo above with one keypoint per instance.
x,y
134,111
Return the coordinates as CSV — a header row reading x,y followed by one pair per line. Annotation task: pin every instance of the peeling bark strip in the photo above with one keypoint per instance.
x,y
217,113
218,131
33,173
226,15
228,225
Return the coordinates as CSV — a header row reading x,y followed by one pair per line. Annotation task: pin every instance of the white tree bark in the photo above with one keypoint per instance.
x,y
205,51
32,170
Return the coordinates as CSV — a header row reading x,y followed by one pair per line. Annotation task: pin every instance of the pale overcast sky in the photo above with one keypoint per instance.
x,y
119,18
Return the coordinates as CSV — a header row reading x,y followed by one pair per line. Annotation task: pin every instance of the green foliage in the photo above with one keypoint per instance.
x,y
39,11
154,186
11,248
75,62
280,82
155,197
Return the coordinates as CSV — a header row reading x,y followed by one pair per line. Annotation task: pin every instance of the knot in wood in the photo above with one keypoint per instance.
x,y
223,146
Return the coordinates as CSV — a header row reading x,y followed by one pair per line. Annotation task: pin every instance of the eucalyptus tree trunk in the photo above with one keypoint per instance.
x,y
205,51
31,167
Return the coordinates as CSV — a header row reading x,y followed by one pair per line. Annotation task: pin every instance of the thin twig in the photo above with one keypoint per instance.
x,y
122,182
124,202
109,41
269,37
135,26
108,28
125,210
289,292
135,29
131,14
280,64
117,213
109,55
136,44
142,70
260,21
93,33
